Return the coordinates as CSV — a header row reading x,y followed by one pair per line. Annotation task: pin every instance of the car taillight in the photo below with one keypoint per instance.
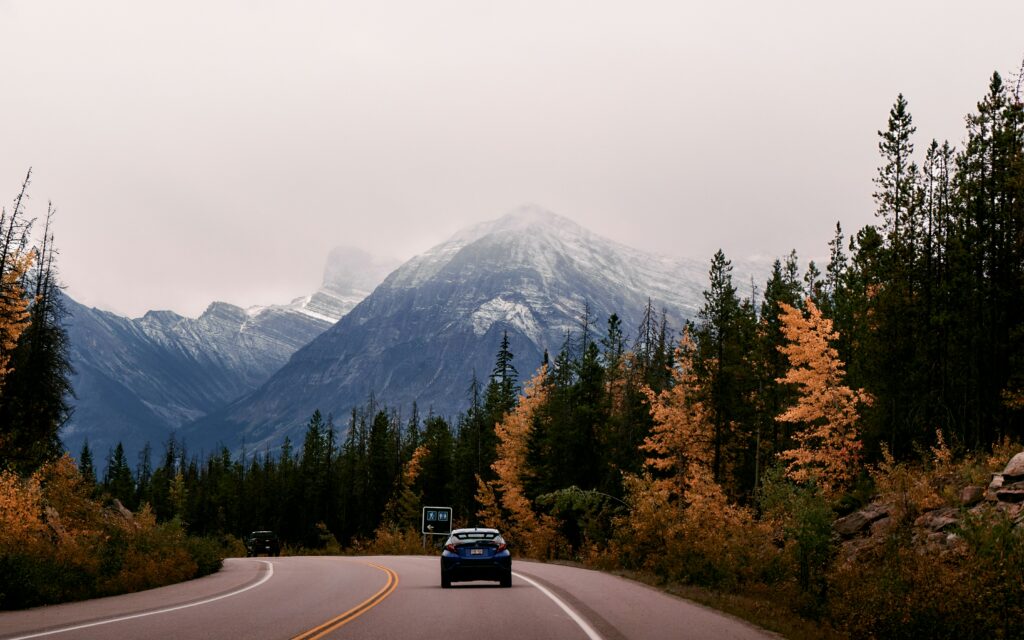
x,y
501,547
450,547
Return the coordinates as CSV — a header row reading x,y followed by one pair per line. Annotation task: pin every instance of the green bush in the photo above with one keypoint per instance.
x,y
207,553
804,519
901,590
27,580
231,546
993,571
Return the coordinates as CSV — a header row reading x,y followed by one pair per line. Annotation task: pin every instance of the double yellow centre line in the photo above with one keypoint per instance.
x,y
336,623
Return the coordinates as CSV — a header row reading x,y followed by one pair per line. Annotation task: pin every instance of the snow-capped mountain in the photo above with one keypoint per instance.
x,y
137,380
438,320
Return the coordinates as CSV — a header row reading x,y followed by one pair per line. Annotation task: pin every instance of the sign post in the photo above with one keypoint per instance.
x,y
436,521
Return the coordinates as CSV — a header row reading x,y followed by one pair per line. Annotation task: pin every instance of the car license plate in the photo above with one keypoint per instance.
x,y
476,552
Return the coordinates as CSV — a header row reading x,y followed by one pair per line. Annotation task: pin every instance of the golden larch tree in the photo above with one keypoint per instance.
x,y
828,446
405,504
680,516
413,467
14,304
681,441
503,500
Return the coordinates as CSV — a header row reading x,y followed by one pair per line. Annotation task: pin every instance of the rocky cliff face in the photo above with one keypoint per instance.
x,y
438,320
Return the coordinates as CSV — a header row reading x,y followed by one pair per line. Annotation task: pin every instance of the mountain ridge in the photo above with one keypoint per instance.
x,y
141,379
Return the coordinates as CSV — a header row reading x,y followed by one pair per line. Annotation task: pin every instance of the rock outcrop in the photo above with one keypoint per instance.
x,y
1006,490
866,527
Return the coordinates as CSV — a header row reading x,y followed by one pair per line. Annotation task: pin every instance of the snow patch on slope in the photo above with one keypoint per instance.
x,y
501,310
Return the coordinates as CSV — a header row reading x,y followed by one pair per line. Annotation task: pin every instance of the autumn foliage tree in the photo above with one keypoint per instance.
x,y
828,447
503,500
14,316
15,262
682,440
682,524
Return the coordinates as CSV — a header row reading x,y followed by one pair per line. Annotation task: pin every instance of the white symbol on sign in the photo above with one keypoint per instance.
x,y
431,515
442,515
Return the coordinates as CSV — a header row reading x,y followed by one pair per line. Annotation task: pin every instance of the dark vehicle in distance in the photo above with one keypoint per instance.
x,y
259,542
476,554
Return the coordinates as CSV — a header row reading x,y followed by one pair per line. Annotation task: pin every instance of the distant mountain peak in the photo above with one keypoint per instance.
x,y
161,317
526,217
353,270
531,214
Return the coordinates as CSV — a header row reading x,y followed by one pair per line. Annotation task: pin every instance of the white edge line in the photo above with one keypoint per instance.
x,y
269,575
587,629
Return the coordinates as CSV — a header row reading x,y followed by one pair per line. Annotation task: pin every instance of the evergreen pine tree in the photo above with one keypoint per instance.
x,y
436,471
628,420
118,481
383,466
721,366
86,467
613,343
313,478
144,476
895,304
501,392
989,263
468,428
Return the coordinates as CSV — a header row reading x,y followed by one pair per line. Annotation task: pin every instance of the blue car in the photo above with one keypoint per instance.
x,y
476,554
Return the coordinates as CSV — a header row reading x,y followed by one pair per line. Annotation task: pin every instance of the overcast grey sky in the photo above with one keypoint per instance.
x,y
213,149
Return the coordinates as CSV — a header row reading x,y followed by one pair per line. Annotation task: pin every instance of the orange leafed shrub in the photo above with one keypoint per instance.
x,y
20,510
391,540
829,446
698,537
57,543
68,495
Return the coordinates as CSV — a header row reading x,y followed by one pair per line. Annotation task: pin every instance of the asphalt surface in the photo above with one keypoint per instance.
x,y
386,597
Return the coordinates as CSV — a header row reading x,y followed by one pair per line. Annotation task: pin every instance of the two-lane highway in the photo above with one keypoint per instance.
x,y
397,597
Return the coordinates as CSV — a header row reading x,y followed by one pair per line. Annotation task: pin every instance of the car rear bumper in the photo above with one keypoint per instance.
x,y
458,569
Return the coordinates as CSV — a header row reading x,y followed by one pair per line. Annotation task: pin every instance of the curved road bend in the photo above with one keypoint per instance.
x,y
386,597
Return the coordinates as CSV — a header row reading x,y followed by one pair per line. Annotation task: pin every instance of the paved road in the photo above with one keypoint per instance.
x,y
388,597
